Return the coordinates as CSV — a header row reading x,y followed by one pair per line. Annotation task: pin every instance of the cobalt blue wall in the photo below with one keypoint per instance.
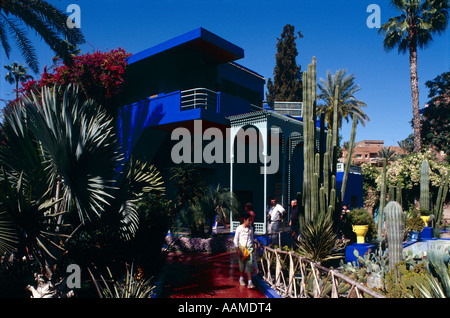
x,y
354,187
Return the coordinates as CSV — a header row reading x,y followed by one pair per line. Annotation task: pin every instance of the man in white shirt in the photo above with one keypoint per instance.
x,y
275,215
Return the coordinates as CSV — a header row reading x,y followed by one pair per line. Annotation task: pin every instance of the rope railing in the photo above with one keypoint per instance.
x,y
293,276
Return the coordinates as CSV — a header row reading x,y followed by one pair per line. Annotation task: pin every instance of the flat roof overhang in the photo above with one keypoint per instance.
x,y
196,46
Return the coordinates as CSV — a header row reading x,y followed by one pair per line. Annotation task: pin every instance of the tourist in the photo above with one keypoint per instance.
x,y
249,209
243,242
344,210
275,215
294,221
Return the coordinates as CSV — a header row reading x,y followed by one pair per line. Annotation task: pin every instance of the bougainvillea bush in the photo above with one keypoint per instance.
x,y
99,75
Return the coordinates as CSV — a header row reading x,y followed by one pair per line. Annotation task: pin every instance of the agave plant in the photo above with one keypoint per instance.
x,y
130,286
318,239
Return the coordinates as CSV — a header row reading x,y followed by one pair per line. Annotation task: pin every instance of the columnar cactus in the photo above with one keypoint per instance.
x,y
425,186
394,230
399,192
439,206
382,201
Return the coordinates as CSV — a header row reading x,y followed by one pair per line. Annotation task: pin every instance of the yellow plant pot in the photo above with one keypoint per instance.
x,y
361,231
425,219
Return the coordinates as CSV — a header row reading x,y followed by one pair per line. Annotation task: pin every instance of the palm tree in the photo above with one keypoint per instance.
x,y
414,28
406,146
347,104
387,153
49,22
16,73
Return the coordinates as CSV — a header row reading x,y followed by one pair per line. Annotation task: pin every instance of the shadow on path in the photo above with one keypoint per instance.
x,y
204,275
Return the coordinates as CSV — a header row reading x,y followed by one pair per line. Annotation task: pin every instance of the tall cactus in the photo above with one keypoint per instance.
x,y
382,202
425,186
319,163
439,206
399,198
349,156
394,230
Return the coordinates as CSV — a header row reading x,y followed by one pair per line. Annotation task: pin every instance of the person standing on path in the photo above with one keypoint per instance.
x,y
294,222
243,242
275,215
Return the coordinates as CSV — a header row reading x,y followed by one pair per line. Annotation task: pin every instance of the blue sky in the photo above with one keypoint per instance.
x,y
335,32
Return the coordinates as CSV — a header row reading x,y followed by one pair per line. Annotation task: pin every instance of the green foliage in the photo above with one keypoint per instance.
x,y
16,74
413,29
318,240
198,204
370,173
49,23
403,281
61,182
346,103
435,118
287,82
413,222
132,285
438,267
359,217
407,170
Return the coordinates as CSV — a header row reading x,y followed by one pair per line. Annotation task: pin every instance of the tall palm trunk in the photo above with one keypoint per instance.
x,y
415,94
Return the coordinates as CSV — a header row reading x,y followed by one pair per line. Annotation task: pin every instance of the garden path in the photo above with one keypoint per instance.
x,y
205,275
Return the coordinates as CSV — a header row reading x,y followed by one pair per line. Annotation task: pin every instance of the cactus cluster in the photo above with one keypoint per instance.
x,y
319,174
425,203
382,201
439,206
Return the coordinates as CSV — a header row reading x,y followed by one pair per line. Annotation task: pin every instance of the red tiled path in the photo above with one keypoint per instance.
x,y
204,275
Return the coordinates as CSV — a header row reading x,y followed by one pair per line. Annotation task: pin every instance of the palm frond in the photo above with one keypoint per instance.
x,y
79,148
33,221
24,44
4,37
347,104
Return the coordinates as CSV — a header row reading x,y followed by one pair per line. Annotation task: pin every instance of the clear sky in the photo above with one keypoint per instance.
x,y
335,32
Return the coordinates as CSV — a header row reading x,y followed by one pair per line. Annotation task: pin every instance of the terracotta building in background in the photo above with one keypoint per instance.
x,y
368,151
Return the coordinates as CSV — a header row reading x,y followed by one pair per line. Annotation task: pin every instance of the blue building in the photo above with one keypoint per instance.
x,y
187,100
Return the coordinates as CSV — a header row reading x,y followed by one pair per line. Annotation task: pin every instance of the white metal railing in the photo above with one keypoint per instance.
x,y
293,276
294,109
258,227
198,98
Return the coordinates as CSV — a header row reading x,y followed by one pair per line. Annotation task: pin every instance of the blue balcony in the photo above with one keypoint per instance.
x,y
166,111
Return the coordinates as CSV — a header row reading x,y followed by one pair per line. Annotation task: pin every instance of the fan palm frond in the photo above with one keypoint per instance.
x,y
79,148
33,223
